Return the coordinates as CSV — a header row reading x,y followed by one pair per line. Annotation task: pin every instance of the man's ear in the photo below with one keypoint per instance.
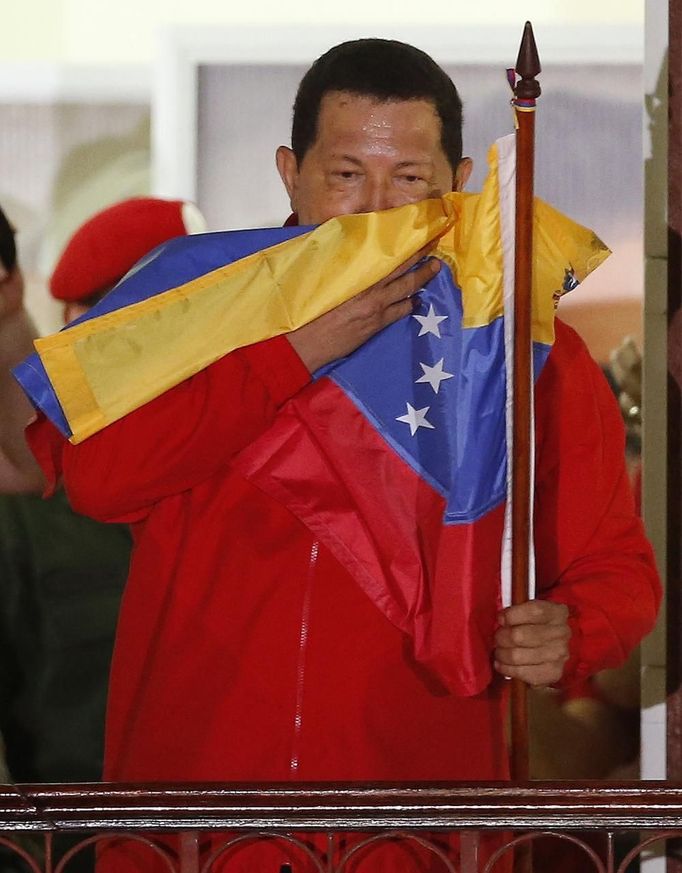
x,y
462,173
287,167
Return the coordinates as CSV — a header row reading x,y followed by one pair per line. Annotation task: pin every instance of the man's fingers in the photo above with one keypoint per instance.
x,y
378,302
557,652
389,303
534,612
529,635
406,285
532,642
409,263
396,311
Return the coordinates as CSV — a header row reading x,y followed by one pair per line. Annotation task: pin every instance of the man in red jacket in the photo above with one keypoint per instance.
x,y
245,650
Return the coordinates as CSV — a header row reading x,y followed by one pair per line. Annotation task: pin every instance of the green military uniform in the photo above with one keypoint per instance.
x,y
61,578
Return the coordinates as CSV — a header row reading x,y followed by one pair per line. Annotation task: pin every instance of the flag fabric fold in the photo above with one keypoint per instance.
x,y
396,456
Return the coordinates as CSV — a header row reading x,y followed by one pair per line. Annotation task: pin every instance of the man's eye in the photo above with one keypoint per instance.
x,y
412,179
346,175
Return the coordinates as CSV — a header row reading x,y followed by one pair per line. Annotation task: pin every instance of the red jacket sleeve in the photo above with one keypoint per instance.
x,y
591,550
177,440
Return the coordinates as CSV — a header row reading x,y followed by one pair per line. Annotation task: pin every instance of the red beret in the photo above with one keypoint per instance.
x,y
104,248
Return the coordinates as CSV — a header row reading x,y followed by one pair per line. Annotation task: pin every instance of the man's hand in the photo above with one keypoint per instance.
x,y
531,642
345,328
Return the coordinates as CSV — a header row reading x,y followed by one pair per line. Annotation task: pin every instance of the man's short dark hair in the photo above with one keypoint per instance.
x,y
8,250
386,70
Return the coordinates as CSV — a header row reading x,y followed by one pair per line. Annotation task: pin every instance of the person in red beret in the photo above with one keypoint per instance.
x,y
61,574
104,249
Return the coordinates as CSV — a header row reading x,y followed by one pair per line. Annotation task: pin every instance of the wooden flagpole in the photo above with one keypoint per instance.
x,y
526,91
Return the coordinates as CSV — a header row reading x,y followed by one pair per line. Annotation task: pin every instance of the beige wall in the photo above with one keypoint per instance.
x,y
124,31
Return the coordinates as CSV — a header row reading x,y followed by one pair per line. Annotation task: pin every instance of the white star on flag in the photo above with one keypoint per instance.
x,y
429,322
434,375
416,418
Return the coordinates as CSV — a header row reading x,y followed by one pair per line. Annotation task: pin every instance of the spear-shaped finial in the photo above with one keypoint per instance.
x,y
527,66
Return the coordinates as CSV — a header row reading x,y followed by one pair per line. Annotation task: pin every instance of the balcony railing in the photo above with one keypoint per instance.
x,y
628,818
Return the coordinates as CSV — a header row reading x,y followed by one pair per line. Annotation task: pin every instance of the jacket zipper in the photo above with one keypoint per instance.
x,y
300,670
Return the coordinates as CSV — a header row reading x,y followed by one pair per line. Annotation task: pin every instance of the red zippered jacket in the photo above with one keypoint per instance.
x,y
246,652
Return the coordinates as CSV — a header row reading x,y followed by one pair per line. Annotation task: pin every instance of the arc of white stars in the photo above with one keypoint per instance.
x,y
434,375
429,322
416,418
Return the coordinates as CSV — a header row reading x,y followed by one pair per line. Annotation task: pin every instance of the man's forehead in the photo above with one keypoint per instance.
x,y
356,98
341,109
356,125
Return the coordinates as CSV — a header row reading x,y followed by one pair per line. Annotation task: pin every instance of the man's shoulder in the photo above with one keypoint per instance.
x,y
569,346
569,364
572,387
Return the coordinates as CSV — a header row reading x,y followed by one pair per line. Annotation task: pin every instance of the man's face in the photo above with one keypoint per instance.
x,y
369,155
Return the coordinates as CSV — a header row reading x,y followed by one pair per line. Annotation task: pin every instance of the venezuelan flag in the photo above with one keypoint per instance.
x,y
396,457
